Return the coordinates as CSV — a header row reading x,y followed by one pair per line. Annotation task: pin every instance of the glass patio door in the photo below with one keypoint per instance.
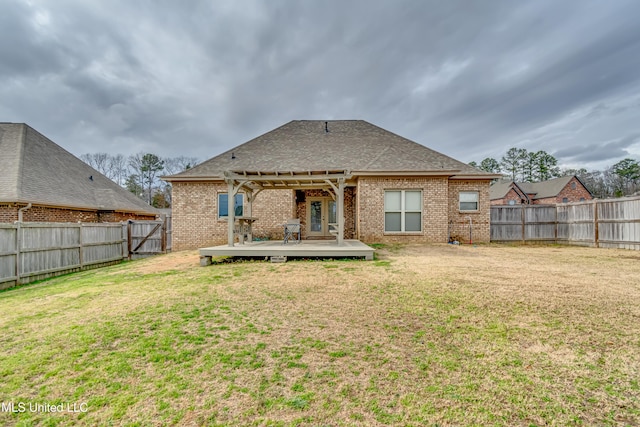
x,y
321,212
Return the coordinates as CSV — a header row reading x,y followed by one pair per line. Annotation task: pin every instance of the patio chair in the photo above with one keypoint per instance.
x,y
291,228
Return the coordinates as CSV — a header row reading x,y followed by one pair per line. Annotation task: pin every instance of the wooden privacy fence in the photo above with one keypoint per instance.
x,y
145,238
35,251
612,223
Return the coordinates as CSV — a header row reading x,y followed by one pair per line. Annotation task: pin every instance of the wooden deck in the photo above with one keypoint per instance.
x,y
304,249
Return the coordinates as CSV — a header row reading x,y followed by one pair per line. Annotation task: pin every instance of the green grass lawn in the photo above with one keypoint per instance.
x,y
424,335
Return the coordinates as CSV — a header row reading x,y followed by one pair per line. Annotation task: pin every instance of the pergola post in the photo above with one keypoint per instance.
x,y
249,208
231,211
340,213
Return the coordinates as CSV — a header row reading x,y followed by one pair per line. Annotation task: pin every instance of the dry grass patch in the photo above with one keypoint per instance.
x,y
424,335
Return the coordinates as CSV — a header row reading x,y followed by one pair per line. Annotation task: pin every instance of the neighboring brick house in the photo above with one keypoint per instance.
x,y
566,189
388,188
42,182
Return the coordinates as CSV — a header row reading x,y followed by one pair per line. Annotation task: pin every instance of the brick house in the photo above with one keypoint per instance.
x,y
42,182
364,181
566,189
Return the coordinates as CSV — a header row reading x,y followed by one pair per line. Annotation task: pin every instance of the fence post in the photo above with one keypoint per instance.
x,y
523,216
18,243
596,230
123,237
129,239
555,231
80,248
163,235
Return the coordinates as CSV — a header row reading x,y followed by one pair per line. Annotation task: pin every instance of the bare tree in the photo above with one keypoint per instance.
x,y
119,169
173,165
98,161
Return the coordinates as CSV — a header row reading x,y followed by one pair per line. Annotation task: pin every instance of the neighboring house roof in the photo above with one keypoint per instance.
x,y
499,189
545,189
350,145
36,170
538,190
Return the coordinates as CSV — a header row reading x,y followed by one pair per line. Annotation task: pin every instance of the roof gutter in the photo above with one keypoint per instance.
x,y
484,176
192,178
443,172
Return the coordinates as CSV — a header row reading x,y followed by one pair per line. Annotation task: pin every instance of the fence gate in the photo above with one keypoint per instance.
x,y
146,238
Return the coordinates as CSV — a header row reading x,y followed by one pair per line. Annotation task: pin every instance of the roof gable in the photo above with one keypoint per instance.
x,y
316,145
42,172
499,189
546,189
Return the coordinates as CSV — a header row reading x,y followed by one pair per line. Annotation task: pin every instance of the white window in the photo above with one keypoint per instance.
x,y
403,210
223,205
469,200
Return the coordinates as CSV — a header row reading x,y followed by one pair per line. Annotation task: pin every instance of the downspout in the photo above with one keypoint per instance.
x,y
470,229
22,210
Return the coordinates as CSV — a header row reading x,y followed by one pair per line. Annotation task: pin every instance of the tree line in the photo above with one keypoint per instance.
x,y
140,173
518,164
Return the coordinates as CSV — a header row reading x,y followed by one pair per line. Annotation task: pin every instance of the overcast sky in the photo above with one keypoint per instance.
x,y
467,78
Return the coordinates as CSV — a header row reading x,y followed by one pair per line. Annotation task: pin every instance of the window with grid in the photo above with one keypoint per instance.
x,y
402,210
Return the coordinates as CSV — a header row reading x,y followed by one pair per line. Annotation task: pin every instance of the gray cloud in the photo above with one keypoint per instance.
x,y
599,152
468,79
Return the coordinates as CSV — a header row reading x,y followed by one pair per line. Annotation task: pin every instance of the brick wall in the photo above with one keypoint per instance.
x,y
9,213
512,194
480,220
195,214
195,221
122,216
370,209
272,208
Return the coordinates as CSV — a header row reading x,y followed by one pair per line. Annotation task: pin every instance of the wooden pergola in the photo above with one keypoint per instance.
x,y
253,182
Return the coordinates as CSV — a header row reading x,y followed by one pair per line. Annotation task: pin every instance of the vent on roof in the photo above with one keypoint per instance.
x,y
326,127
233,155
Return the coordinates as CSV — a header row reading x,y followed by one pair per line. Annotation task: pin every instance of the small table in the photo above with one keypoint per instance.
x,y
244,228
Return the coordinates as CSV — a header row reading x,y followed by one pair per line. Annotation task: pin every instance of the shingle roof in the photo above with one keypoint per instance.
x,y
544,189
539,190
499,189
353,145
36,170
